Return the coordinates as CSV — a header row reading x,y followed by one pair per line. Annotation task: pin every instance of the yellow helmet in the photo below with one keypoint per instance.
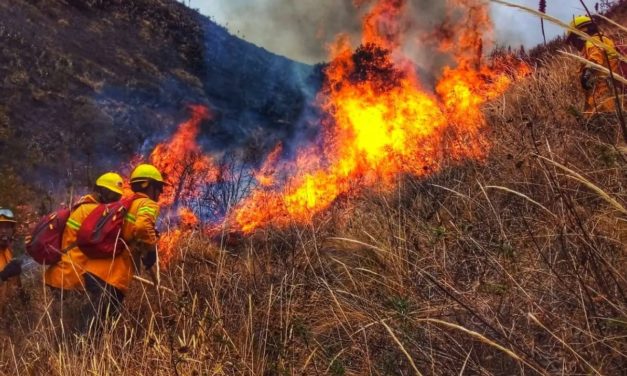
x,y
580,21
145,172
111,181
6,215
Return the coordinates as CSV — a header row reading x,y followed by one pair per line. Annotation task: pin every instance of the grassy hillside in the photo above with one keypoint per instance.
x,y
86,84
514,265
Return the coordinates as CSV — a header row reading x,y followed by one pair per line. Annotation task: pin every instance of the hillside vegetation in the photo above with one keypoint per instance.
x,y
512,265
87,84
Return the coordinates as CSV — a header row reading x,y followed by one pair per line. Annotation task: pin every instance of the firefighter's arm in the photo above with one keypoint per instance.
x,y
145,223
12,269
587,73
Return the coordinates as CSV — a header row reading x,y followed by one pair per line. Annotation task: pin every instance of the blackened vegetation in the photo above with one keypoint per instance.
x,y
172,21
374,64
86,85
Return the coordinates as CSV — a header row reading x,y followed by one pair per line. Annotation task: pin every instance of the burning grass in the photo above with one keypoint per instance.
x,y
511,263
380,120
509,267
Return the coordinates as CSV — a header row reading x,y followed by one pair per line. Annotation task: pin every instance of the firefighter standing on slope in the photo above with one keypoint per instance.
x,y
107,280
67,274
10,268
597,85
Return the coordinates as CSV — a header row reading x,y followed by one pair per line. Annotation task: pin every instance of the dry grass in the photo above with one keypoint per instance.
x,y
515,265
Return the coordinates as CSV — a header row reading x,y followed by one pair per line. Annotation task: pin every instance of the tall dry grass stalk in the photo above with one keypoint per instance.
x,y
598,67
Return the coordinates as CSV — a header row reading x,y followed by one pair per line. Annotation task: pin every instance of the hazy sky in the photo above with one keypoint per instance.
x,y
300,29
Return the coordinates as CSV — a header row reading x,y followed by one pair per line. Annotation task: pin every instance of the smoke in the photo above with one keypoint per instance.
x,y
298,29
304,29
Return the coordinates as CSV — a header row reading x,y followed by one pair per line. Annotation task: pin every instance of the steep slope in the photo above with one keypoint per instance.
x,y
86,84
513,265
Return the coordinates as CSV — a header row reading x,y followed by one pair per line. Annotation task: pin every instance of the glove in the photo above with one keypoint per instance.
x,y
587,79
149,259
13,268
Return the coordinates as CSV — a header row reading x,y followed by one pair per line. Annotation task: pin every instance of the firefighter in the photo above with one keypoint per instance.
x,y
596,85
10,268
67,273
107,280
65,277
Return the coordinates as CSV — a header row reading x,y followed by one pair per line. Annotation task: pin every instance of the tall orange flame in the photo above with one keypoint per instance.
x,y
265,175
170,240
182,161
382,122
185,167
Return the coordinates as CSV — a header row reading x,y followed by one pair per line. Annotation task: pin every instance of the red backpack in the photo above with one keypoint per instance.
x,y
44,243
100,234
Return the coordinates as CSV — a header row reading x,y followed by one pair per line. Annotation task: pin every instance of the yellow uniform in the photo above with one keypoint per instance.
x,y
67,274
600,98
138,228
7,287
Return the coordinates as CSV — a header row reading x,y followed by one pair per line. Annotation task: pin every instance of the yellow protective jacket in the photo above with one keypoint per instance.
x,y
601,97
67,274
11,284
138,231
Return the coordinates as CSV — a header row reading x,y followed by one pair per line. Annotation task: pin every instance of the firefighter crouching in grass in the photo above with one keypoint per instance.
x,y
10,268
107,280
597,86
67,274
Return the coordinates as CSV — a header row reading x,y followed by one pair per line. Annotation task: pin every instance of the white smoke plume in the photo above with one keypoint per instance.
x,y
301,29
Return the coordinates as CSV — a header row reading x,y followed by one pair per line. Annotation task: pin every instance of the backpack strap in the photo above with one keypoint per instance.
x,y
130,200
87,199
66,249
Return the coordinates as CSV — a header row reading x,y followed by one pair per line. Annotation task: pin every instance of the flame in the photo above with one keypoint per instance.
x,y
381,122
184,166
265,175
167,245
170,239
382,26
188,218
182,161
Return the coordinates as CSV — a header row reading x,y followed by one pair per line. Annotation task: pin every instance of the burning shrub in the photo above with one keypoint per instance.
x,y
182,162
380,121
371,63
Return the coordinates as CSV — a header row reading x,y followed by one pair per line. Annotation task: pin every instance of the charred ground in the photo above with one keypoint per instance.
x,y
86,84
